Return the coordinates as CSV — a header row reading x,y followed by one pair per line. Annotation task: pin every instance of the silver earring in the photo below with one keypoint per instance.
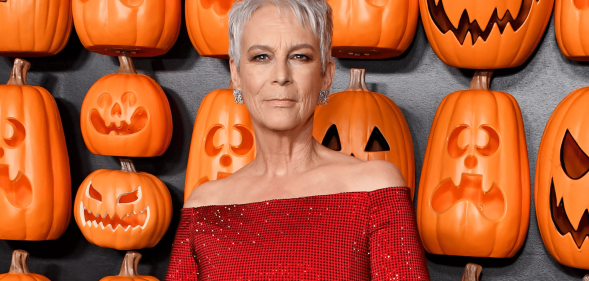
x,y
238,97
323,97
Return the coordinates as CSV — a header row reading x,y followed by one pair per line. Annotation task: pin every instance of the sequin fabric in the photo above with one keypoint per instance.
x,y
344,236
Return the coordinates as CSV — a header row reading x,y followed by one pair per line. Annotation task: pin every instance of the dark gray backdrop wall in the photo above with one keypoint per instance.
x,y
417,81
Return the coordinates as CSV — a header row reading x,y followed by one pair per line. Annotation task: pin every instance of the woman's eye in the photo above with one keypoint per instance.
x,y
260,57
300,57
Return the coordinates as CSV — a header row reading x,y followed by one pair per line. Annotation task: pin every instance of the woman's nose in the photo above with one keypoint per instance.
x,y
281,73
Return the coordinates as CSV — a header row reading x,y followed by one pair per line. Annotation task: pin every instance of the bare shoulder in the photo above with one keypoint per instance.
x,y
376,174
204,194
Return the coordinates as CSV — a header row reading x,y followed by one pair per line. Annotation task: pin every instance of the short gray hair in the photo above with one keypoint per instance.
x,y
316,13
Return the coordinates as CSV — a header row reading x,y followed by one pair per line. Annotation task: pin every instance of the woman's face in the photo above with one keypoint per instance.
x,y
280,70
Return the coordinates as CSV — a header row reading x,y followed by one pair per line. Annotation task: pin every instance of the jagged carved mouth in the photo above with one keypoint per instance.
x,y
465,26
562,222
137,123
490,204
113,222
19,191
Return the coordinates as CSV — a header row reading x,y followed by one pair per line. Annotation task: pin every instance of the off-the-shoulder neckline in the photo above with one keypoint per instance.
x,y
298,198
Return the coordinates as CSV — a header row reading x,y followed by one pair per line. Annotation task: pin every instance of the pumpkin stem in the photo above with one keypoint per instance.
x,y
19,72
19,262
127,165
357,80
127,66
481,80
472,272
130,263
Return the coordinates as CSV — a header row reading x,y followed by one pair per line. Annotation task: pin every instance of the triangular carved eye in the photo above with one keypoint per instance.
x,y
331,139
574,161
377,142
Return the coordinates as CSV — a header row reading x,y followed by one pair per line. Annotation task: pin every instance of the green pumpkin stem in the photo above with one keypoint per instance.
x,y
127,66
18,76
130,264
19,262
472,272
481,80
357,80
127,165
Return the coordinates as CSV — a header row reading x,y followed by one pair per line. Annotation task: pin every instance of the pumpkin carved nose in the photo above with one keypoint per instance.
x,y
226,160
470,161
116,110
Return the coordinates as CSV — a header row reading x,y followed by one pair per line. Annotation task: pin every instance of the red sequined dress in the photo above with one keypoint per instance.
x,y
344,236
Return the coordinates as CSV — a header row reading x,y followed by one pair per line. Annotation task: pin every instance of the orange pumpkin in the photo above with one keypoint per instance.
x,y
474,193
35,190
570,22
208,26
124,209
562,184
129,270
34,28
376,130
222,140
485,34
126,114
19,270
373,29
145,28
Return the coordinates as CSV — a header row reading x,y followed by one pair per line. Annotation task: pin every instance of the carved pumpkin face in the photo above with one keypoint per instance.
x,y
146,28
208,26
373,29
35,186
123,210
34,28
474,193
485,34
126,114
570,17
222,140
562,182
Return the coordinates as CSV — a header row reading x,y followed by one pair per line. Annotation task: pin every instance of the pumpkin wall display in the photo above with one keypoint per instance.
x,y
562,184
129,270
222,140
19,270
571,20
144,28
376,130
35,188
371,29
34,28
483,34
474,193
126,114
124,209
208,26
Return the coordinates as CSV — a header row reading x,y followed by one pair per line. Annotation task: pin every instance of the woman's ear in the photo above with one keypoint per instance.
x,y
234,74
329,74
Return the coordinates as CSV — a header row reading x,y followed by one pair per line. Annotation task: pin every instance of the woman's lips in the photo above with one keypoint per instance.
x,y
281,102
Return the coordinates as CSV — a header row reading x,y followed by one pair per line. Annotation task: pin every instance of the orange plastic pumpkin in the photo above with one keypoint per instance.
x,y
222,140
208,26
474,193
19,270
126,114
34,28
129,270
373,29
562,182
376,130
35,189
145,28
485,34
571,18
124,209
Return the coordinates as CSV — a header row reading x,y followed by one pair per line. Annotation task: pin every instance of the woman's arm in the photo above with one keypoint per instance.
x,y
182,266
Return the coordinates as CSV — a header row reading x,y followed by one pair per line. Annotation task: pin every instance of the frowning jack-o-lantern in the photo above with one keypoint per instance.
x,y
222,140
123,209
485,34
570,23
376,130
126,114
474,193
208,26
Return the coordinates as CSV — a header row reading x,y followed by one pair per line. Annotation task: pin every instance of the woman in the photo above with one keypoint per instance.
x,y
299,210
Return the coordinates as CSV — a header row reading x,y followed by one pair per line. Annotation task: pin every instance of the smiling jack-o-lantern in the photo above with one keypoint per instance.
x,y
124,209
562,183
474,193
35,190
126,114
372,29
571,19
485,34
145,28
222,140
376,130
208,26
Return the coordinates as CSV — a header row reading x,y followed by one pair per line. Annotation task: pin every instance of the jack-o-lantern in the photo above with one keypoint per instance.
x,y
485,34
373,29
376,130
474,193
129,270
35,188
571,18
145,28
126,114
208,26
34,28
562,184
124,209
19,270
222,140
